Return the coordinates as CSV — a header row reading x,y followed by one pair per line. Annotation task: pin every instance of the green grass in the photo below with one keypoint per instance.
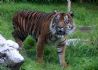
x,y
80,57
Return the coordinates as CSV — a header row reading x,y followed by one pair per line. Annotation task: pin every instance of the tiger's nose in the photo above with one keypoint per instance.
x,y
61,31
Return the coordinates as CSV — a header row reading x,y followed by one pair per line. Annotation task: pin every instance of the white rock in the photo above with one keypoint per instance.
x,y
14,56
10,48
72,42
12,44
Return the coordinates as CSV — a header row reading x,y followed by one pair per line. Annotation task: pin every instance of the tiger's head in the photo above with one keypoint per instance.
x,y
62,24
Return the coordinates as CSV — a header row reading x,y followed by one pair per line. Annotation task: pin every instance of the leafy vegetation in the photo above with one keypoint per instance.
x,y
52,1
80,57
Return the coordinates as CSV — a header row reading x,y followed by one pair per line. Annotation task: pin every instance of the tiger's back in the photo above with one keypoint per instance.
x,y
30,23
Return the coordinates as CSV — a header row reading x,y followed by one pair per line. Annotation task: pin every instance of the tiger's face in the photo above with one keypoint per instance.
x,y
62,24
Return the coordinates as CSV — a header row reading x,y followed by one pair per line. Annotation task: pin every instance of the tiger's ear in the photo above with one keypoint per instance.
x,y
57,16
71,14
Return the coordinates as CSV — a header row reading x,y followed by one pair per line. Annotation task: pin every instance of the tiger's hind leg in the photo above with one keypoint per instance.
x,y
19,38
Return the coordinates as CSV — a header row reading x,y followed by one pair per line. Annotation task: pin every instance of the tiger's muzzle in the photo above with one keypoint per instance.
x,y
60,31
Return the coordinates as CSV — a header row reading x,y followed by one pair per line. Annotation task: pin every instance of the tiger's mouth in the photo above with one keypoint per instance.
x,y
62,32
57,31
60,36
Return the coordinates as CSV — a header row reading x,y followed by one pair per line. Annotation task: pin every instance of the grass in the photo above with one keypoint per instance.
x,y
79,57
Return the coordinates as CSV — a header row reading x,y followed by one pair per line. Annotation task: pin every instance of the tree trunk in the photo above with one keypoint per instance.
x,y
81,1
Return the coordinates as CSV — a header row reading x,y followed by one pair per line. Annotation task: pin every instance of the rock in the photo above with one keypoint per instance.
x,y
9,53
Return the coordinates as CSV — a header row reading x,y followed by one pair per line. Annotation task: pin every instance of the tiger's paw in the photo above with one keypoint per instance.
x,y
41,61
64,65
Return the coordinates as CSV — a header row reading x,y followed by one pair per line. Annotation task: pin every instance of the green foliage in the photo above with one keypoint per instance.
x,y
37,1
52,1
48,1
80,57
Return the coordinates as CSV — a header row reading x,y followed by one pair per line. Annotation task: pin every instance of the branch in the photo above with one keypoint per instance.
x,y
69,5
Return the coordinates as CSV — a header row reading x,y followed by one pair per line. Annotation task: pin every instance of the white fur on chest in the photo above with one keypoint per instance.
x,y
55,41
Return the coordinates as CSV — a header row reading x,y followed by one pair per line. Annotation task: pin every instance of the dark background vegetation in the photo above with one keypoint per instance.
x,y
52,1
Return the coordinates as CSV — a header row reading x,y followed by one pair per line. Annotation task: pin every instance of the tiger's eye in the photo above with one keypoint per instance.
x,y
66,22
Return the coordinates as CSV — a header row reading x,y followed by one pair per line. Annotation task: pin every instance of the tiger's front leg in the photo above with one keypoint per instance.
x,y
61,54
40,49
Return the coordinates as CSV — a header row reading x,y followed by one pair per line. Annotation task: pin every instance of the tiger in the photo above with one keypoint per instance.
x,y
44,27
